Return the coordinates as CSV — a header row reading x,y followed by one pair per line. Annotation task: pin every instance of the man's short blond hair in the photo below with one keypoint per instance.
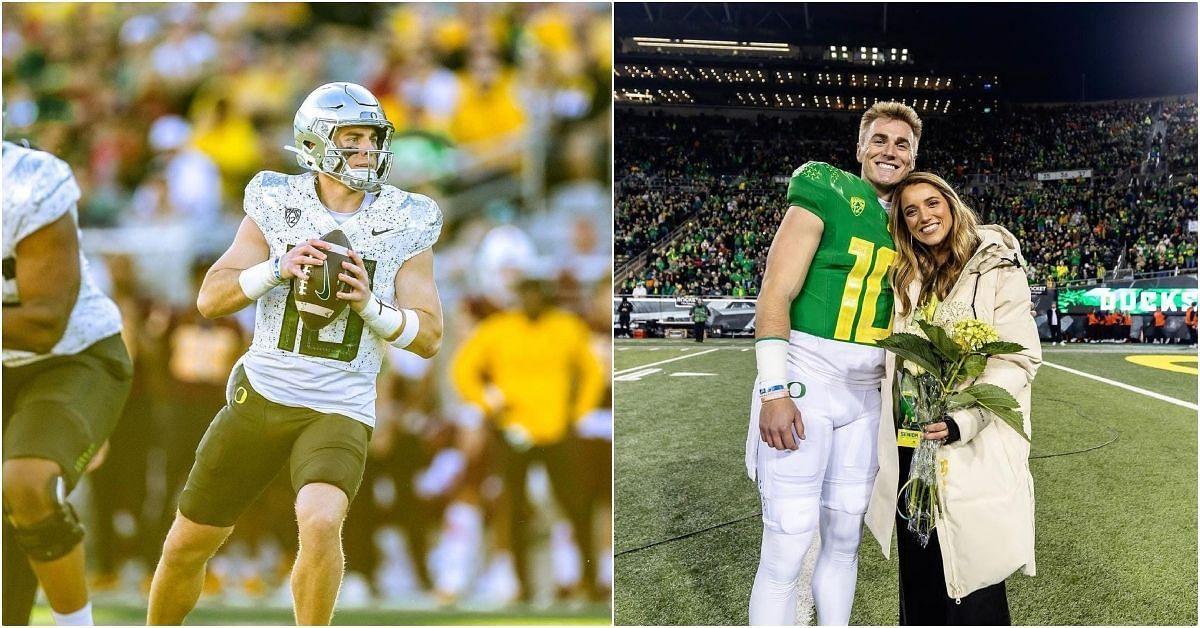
x,y
895,111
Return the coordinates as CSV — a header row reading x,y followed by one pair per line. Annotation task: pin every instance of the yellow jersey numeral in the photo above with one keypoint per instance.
x,y
863,251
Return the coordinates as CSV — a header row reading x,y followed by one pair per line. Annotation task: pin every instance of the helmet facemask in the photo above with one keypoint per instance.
x,y
336,161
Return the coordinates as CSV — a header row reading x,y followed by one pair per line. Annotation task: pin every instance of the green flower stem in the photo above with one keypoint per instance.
x,y
946,388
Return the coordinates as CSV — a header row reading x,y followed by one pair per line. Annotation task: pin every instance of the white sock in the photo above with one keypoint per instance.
x,y
81,617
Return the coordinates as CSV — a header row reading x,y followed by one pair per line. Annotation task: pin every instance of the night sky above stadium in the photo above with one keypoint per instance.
x,y
1048,52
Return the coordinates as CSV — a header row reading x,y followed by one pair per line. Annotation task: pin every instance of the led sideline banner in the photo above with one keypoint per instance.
x,y
1063,175
1131,300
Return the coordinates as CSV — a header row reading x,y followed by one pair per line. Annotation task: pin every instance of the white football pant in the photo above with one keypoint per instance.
x,y
824,485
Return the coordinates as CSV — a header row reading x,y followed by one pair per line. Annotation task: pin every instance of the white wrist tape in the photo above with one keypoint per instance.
x,y
383,319
412,325
259,279
771,355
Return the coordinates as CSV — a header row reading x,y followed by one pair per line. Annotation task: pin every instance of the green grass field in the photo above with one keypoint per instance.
x,y
207,614
1114,473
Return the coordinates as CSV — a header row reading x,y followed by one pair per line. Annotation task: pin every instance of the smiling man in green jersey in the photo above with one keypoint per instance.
x,y
825,301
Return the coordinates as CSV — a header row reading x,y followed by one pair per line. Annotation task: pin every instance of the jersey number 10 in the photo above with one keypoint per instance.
x,y
852,296
310,340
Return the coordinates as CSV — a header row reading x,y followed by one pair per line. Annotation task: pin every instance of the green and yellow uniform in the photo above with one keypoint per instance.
x,y
846,295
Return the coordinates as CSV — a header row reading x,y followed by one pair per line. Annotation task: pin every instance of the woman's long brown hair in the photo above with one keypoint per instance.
x,y
914,260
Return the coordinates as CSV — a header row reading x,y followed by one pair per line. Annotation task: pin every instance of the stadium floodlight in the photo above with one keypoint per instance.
x,y
651,39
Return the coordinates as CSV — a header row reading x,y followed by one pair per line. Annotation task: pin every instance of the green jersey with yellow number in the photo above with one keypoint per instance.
x,y
846,295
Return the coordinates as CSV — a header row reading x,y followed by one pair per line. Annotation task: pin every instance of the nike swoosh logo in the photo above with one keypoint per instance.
x,y
324,295
375,233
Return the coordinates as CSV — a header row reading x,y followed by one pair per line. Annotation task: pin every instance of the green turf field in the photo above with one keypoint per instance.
x,y
1114,473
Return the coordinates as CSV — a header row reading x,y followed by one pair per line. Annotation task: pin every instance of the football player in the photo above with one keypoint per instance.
x,y
825,301
66,377
304,398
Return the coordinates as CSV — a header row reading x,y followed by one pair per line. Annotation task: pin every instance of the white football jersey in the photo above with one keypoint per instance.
x,y
38,190
386,233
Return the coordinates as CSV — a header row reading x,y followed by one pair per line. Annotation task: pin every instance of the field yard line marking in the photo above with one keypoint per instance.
x,y
635,376
682,357
1140,391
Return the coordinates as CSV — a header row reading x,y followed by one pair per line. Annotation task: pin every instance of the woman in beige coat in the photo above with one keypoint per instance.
x,y
984,532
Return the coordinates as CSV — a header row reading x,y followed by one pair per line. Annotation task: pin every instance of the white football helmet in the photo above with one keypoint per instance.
x,y
329,108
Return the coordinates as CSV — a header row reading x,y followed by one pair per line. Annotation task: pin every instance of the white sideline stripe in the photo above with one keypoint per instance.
x,y
682,357
1140,391
633,377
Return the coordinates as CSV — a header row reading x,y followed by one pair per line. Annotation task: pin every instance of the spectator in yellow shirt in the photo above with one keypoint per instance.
x,y
489,116
533,374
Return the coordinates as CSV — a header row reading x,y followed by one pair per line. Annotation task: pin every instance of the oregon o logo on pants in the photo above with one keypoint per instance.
x,y
239,395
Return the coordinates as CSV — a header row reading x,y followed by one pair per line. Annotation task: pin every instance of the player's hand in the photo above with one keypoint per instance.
x,y
775,423
358,282
936,431
309,253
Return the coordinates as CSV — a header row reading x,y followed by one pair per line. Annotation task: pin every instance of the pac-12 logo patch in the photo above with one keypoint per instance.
x,y
857,205
292,216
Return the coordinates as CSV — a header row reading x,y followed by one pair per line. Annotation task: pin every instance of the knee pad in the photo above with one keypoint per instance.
x,y
782,556
791,515
56,535
847,497
841,533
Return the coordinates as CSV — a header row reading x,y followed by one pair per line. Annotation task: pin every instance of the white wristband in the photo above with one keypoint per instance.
x,y
381,318
412,325
771,355
259,279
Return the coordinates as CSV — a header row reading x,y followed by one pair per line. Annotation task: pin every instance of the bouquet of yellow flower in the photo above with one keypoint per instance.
x,y
936,363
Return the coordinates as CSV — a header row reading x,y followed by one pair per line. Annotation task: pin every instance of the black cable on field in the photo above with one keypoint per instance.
x,y
686,535
1113,433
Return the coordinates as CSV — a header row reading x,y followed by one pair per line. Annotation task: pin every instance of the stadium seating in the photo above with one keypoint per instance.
x,y
699,195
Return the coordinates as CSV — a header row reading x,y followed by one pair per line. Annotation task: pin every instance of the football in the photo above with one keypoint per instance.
x,y
316,289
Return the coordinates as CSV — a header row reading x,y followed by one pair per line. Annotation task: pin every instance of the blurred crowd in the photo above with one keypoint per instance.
x,y
165,111
695,217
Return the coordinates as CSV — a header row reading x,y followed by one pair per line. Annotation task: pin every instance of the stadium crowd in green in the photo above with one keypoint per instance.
x,y
722,175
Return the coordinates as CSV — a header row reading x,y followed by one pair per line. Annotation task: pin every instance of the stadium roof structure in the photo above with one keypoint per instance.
x,y
941,58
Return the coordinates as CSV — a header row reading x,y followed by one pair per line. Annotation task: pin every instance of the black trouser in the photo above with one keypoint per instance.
x,y
561,460
625,327
1192,335
923,599
698,330
1055,333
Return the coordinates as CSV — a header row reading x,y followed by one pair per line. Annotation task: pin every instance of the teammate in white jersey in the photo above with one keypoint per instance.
x,y
66,377
300,397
